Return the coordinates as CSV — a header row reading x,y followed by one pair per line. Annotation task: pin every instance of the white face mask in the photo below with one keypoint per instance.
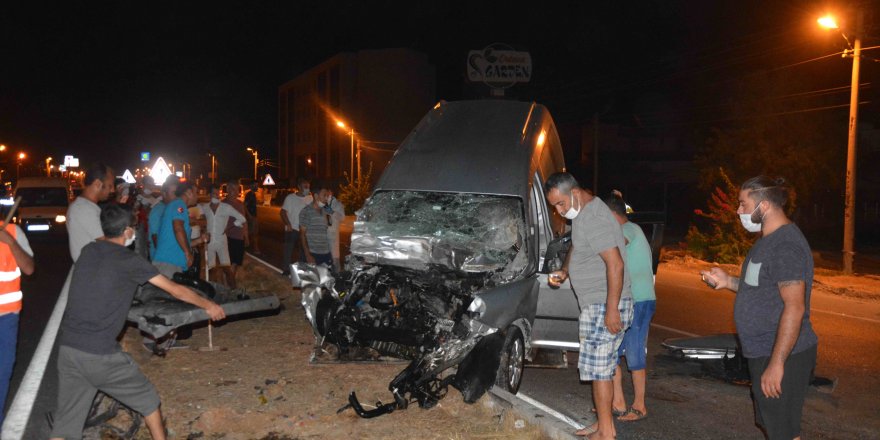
x,y
571,213
215,200
746,220
305,192
320,204
129,241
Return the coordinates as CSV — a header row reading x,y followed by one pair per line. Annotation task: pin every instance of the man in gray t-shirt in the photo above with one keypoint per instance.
x,y
313,224
83,215
595,265
772,308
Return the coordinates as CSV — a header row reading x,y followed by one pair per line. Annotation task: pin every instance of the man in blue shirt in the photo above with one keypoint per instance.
x,y
154,221
173,248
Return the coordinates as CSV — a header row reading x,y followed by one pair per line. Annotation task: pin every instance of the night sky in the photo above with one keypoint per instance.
x,y
105,80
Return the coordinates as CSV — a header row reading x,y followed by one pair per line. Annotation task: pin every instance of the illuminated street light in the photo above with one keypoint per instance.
x,y
827,22
48,167
256,160
21,157
849,227
2,147
351,133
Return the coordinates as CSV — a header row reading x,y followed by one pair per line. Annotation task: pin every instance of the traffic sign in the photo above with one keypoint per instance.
x,y
127,177
268,180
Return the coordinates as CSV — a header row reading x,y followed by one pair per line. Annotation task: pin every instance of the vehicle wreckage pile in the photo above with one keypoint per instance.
x,y
419,259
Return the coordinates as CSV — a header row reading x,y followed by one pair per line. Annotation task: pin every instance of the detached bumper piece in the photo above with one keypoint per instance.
x,y
158,314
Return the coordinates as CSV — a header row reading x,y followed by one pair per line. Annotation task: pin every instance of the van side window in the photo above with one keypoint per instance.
x,y
542,222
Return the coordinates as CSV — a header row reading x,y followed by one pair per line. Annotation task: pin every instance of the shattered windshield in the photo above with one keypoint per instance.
x,y
469,232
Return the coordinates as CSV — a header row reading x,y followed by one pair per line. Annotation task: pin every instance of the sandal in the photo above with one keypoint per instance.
x,y
585,431
614,412
639,415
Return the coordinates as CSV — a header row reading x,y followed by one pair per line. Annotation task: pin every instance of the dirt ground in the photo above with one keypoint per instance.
x,y
262,386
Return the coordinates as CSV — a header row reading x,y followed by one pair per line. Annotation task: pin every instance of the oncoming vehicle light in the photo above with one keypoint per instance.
x,y
38,227
7,202
60,218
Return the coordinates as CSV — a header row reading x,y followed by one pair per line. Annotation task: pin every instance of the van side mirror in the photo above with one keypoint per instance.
x,y
557,250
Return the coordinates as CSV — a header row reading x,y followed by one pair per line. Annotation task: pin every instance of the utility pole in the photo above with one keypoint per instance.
x,y
849,216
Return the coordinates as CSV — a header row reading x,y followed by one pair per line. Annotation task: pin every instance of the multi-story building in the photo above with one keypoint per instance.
x,y
380,94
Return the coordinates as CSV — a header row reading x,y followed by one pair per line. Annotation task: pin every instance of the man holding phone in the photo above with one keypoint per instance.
x,y
772,308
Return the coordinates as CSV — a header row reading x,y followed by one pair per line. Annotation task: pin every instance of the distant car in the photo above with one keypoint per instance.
x,y
43,206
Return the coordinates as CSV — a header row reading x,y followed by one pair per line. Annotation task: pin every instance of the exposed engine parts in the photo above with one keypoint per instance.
x,y
416,315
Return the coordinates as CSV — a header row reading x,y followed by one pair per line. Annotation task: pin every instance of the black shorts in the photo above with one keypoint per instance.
x,y
781,417
236,251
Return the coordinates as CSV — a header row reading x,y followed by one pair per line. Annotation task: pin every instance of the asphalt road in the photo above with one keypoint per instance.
x,y
52,263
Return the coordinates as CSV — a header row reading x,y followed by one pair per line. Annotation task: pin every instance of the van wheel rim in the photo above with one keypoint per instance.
x,y
515,367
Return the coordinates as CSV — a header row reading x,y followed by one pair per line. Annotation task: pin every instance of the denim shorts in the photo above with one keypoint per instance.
x,y
635,341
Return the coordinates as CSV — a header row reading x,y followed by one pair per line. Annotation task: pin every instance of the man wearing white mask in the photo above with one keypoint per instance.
x,y
772,307
595,265
217,214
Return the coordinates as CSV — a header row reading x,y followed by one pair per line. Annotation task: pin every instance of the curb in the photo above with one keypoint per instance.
x,y
555,425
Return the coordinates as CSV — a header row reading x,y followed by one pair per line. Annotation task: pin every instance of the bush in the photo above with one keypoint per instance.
x,y
726,241
355,192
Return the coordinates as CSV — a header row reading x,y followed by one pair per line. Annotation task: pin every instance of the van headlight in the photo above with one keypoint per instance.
x,y
477,307
60,218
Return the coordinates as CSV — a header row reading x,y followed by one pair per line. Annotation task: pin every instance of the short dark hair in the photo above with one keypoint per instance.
x,y
616,203
316,186
183,187
96,171
564,182
302,179
169,182
774,190
115,218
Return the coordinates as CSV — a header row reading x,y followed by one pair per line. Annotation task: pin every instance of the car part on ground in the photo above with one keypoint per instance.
x,y
157,313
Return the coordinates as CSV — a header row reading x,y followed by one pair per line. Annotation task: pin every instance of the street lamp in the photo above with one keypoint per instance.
x,y
351,133
21,157
213,167
256,160
849,228
48,168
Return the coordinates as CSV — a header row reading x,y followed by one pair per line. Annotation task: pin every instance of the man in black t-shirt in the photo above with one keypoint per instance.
x,y
90,359
772,308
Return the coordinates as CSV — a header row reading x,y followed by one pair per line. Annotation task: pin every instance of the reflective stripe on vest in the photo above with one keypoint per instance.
x,y
9,298
10,276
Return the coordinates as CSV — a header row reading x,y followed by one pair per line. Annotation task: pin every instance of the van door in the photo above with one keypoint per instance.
x,y
556,320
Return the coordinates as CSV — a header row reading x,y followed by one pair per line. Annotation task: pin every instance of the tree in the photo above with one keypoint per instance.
x,y
355,192
725,240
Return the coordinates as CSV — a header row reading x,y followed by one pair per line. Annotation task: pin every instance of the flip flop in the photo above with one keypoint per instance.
x,y
639,415
614,412
585,431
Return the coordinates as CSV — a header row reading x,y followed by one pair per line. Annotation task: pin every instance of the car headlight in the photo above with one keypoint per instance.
x,y
60,218
477,307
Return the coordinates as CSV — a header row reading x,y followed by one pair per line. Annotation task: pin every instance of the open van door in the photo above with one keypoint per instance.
x,y
556,319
